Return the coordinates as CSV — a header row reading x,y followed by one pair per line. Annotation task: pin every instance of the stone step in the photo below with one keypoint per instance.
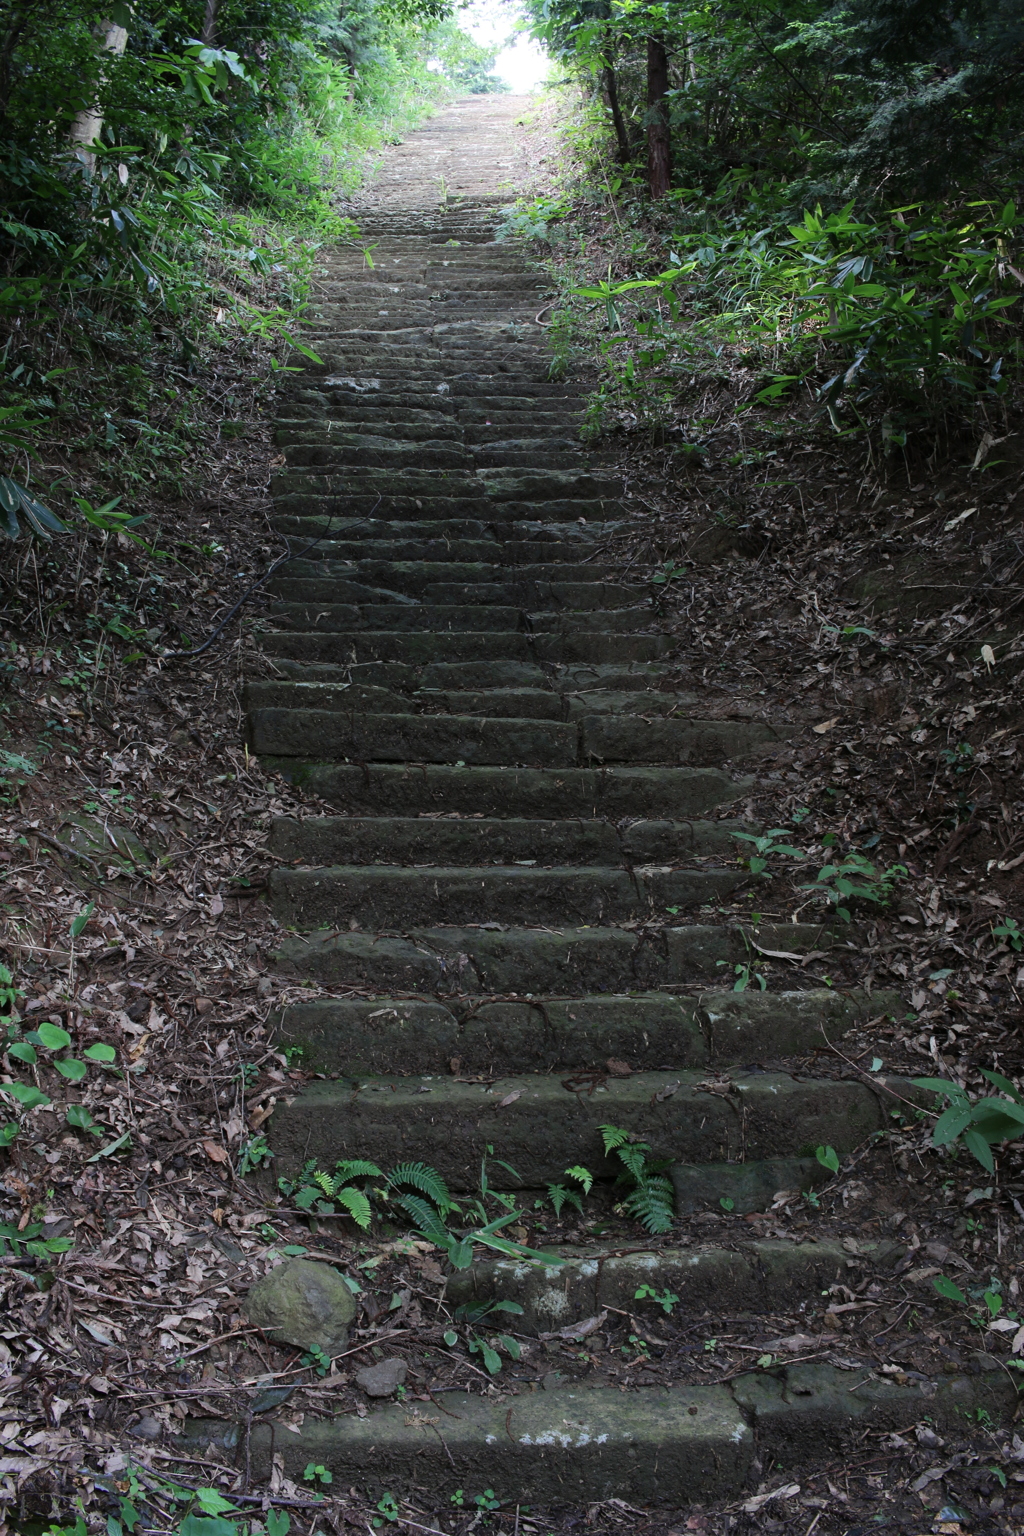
x,y
461,583
542,1125
597,680
493,840
419,648
541,703
521,961
576,1445
355,1037
496,485
310,511
754,1277
396,789
470,739
382,896
447,618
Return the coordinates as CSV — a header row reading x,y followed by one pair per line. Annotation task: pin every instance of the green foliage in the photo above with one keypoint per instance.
x,y
477,1313
253,1154
649,1197
855,878
765,845
666,1299
981,1125
22,1050
187,229
828,1157
1008,930
561,1194
420,1194
813,95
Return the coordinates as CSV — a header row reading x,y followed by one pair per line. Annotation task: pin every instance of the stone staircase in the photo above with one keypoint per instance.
x,y
528,813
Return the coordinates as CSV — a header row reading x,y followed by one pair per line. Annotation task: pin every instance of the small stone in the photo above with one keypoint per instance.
x,y
147,1429
382,1379
305,1304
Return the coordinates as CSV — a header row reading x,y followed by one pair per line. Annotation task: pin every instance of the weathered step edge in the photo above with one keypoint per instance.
x,y
768,1276
356,1036
664,1446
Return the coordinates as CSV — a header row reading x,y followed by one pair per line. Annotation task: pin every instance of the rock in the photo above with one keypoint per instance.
x,y
305,1304
147,1429
382,1379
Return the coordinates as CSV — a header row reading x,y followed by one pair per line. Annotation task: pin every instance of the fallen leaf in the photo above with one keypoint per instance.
x,y
216,906
788,1491
664,1093
820,730
618,1068
581,1330
794,1343
510,1098
215,1152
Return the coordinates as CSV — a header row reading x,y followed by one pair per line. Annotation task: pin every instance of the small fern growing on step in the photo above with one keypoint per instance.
x,y
650,1196
422,1195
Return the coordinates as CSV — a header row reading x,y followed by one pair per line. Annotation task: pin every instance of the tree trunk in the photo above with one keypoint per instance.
x,y
88,125
659,144
209,31
612,92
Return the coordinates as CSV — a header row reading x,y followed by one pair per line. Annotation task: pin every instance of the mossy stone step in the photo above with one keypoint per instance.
x,y
522,961
419,648
753,1277
542,1125
388,897
419,840
546,1034
642,792
464,739
577,1445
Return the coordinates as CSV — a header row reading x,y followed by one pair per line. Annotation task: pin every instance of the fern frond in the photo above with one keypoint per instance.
x,y
582,1176
325,1181
424,1178
650,1206
426,1218
356,1203
357,1168
612,1137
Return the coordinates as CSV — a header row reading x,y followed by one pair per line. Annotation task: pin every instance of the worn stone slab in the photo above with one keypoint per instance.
x,y
514,791
542,1125
384,897
753,1277
382,737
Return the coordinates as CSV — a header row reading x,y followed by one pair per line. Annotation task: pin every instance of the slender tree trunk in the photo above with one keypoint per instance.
x,y
209,31
612,92
88,125
659,144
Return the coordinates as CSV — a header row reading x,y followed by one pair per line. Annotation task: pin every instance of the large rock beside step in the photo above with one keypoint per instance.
x,y
305,1304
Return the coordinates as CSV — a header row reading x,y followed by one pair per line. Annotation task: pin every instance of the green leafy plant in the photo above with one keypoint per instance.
x,y
317,1359
666,1299
766,844
649,1196
1008,931
253,1154
315,1473
23,1050
16,427
561,1194
981,1124
746,973
420,1193
475,1313
855,878
387,1511
828,1157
